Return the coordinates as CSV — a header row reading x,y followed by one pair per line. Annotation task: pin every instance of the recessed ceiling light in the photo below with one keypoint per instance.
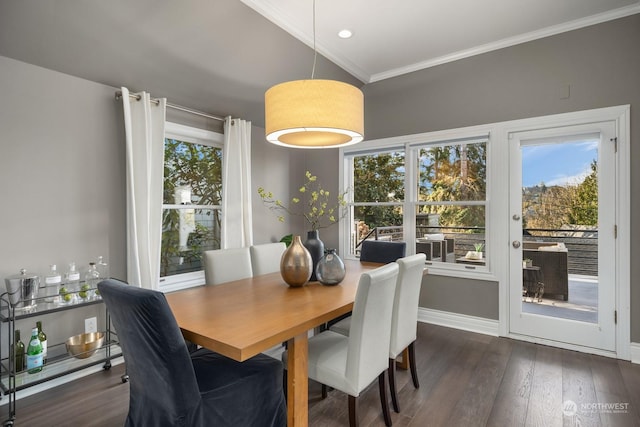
x,y
345,34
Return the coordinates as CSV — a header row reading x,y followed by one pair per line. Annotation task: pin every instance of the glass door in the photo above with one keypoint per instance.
x,y
562,235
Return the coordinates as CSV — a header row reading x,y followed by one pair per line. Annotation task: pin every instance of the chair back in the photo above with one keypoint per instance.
x,y
265,258
404,319
226,265
163,385
368,347
381,251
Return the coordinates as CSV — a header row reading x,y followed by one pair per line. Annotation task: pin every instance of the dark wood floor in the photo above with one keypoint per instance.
x,y
466,379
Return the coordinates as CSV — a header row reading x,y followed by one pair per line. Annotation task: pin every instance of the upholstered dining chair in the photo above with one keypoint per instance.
x,y
351,363
265,258
225,265
381,251
170,386
404,320
377,251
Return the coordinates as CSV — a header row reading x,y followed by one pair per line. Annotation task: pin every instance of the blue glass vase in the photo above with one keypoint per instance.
x,y
330,269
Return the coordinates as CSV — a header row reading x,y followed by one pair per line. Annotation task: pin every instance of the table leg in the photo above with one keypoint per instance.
x,y
404,363
298,381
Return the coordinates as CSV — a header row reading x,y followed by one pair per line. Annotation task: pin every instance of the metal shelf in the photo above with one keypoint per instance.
x,y
59,362
40,308
56,367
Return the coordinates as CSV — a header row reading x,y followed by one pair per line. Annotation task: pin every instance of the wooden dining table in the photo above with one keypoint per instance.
x,y
243,318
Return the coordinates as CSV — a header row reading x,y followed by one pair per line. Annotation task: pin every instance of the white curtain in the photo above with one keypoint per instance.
x,y
144,130
237,227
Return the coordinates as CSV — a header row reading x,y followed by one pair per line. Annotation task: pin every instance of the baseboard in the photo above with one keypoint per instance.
x,y
61,380
634,349
459,321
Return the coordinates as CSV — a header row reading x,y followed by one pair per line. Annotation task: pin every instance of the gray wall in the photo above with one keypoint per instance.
x,y
61,180
601,64
276,169
62,157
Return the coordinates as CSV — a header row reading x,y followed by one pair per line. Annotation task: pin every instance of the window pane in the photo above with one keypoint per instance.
x,y
375,222
452,172
192,173
378,177
461,227
186,233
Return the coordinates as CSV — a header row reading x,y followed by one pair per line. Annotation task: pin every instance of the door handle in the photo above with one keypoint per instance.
x,y
515,244
516,217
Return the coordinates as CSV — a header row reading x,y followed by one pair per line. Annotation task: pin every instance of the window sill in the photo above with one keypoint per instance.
x,y
464,272
181,281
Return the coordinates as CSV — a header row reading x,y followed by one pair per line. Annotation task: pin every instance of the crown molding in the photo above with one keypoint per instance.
x,y
511,41
286,21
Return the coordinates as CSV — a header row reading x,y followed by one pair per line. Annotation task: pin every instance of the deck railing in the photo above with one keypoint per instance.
x,y
582,245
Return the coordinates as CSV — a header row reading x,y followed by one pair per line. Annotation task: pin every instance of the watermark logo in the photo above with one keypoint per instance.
x,y
570,408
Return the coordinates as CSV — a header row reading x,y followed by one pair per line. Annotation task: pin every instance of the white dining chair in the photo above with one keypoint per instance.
x,y
404,319
351,363
265,258
225,265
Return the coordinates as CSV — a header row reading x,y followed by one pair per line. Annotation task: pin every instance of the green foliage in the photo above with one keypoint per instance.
x,y
454,173
287,239
583,208
200,168
552,207
379,178
318,207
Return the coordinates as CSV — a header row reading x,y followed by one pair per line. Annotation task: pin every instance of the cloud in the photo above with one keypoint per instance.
x,y
564,180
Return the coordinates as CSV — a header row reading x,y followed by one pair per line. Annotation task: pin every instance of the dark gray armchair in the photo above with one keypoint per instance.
x,y
382,251
170,386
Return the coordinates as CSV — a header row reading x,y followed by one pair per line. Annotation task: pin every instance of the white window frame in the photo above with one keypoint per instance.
x,y
411,144
196,136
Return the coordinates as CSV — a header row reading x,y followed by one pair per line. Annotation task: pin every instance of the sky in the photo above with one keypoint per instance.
x,y
557,164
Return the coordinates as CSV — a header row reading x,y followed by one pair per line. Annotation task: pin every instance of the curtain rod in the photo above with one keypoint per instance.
x,y
174,106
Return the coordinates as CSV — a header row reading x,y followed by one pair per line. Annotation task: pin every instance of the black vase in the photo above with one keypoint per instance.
x,y
315,246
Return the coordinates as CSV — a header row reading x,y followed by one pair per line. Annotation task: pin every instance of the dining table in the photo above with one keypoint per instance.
x,y
243,318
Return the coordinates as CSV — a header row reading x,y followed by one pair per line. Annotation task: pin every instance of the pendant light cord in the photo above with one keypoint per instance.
x,y
315,52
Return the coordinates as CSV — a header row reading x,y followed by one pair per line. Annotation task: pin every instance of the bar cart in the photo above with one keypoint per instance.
x,y
59,362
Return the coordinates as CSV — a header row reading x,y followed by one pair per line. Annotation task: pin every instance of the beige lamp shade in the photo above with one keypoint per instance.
x,y
314,114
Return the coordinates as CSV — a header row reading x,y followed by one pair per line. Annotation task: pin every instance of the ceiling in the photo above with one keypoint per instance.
x,y
220,56
391,38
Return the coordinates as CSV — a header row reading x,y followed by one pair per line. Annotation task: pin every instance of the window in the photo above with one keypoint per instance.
x,y
451,198
191,210
377,205
430,193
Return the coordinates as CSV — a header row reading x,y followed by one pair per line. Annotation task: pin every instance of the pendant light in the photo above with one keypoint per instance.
x,y
314,113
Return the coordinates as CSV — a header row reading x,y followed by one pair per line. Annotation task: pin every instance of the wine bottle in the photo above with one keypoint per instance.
x,y
34,353
43,341
18,351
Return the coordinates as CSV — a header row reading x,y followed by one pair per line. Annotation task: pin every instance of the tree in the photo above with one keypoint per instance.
x,y
583,208
552,207
379,178
198,167
454,173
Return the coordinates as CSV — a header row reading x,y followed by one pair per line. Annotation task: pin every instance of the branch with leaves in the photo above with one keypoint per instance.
x,y
319,209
